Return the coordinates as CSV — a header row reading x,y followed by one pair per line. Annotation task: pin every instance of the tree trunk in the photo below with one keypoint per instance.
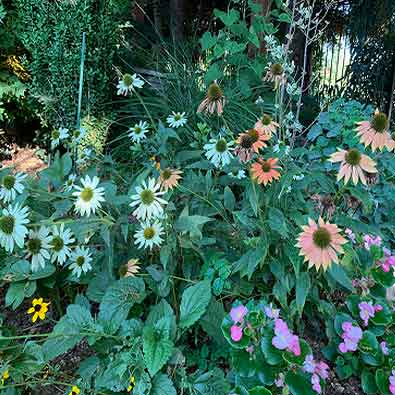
x,y
177,9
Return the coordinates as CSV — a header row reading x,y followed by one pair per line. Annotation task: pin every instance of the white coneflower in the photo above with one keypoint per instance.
x,y
61,239
58,135
149,235
239,174
37,247
78,135
89,196
81,259
10,186
69,184
12,227
218,151
128,83
138,131
177,119
148,201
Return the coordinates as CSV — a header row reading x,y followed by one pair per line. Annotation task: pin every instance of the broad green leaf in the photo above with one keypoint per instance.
x,y
368,382
302,290
277,221
259,391
162,385
340,276
194,302
157,349
211,383
229,199
298,384
207,41
227,18
192,224
163,311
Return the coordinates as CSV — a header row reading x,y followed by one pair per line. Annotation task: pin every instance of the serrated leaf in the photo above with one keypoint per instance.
x,y
162,385
157,349
194,302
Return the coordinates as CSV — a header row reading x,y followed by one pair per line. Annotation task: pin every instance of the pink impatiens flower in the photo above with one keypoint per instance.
x,y
236,333
371,241
367,311
351,337
392,382
318,370
238,313
284,339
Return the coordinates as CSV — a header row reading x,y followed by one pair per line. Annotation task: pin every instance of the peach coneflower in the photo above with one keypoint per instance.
x,y
275,74
375,132
249,142
214,100
266,125
169,178
130,269
265,171
353,165
320,244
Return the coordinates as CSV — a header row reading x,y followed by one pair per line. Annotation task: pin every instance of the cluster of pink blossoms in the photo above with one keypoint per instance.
x,y
351,337
389,261
370,241
392,382
237,315
284,339
367,311
318,370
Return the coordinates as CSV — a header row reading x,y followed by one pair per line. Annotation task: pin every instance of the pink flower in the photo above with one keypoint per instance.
x,y
388,263
392,382
367,311
322,370
384,348
350,234
284,339
370,241
238,313
315,381
280,381
351,337
309,365
272,312
236,333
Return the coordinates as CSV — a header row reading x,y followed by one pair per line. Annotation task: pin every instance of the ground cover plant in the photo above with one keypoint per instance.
x,y
205,241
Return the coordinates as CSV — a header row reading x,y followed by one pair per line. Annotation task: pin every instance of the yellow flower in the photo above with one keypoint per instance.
x,y
132,384
74,390
6,375
38,309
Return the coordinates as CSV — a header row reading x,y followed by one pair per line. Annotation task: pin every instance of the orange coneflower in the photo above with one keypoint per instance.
x,y
353,165
265,171
214,100
275,74
249,142
169,178
375,132
266,125
320,244
130,269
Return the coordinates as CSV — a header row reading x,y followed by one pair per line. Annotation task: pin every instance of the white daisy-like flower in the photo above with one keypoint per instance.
x,y
149,235
138,131
69,184
78,135
10,186
177,119
37,246
81,261
58,135
61,239
239,174
148,201
218,151
12,227
128,83
89,196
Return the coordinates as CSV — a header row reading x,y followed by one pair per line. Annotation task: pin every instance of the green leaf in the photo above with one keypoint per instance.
x,y
368,382
229,18
120,298
192,224
194,302
157,349
302,289
213,73
272,355
298,384
211,383
259,391
162,385
229,199
283,17
212,320
207,41
18,291
277,221
382,381
163,311
340,276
